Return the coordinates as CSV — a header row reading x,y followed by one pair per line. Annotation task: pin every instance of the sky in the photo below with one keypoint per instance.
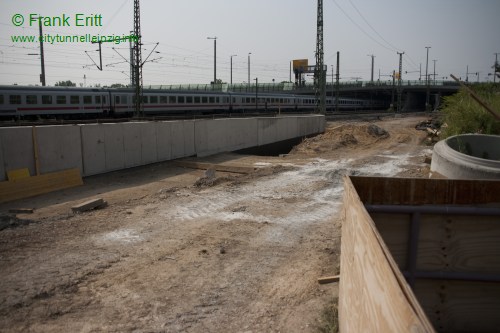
x,y
460,33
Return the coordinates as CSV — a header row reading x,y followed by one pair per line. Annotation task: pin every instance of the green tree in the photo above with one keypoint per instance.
x,y
117,85
65,84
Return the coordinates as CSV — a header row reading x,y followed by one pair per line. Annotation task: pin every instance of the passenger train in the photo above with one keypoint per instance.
x,y
72,102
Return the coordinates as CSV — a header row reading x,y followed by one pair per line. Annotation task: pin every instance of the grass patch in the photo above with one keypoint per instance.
x,y
329,321
464,115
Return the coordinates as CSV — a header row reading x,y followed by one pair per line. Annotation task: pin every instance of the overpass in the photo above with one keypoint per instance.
x,y
413,92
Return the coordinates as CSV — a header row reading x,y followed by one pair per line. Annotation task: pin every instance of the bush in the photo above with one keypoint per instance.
x,y
463,114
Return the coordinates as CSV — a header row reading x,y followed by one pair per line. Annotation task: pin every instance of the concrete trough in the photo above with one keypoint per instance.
x,y
469,156
101,148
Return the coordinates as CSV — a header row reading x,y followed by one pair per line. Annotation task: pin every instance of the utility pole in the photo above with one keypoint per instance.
x,y
400,92
320,73
139,111
434,75
234,55
338,83
215,59
428,91
495,68
42,76
333,86
393,87
373,63
256,94
249,53
131,62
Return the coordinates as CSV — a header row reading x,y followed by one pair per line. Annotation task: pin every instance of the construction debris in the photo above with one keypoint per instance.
x,y
89,205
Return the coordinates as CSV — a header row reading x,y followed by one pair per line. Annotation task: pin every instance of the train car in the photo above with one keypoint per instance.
x,y
16,101
81,103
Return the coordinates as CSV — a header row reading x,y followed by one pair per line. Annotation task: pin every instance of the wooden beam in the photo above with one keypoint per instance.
x,y
329,279
477,98
216,167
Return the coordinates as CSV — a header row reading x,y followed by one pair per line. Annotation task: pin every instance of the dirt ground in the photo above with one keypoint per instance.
x,y
240,253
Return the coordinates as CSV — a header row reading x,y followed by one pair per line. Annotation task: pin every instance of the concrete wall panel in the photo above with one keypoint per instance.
x,y
242,133
132,144
189,146
177,137
201,137
183,141
16,150
113,139
93,149
3,174
59,148
266,130
149,142
286,128
164,140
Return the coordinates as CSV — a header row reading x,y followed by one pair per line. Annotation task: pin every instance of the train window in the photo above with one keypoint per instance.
x,y
117,99
253,100
180,99
189,99
154,99
204,100
104,99
98,99
234,100
211,100
74,99
217,100
197,99
15,99
171,99
31,99
145,99
1,99
60,99
87,99
163,99
46,99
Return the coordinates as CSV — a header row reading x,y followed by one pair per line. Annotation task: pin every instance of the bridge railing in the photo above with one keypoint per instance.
x,y
290,87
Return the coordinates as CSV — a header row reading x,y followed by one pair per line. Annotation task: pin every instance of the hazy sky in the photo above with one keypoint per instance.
x,y
460,33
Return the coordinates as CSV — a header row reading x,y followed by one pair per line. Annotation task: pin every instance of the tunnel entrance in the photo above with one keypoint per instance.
x,y
272,149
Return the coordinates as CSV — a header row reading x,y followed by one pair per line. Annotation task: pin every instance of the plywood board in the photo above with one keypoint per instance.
x,y
28,187
460,306
373,296
412,191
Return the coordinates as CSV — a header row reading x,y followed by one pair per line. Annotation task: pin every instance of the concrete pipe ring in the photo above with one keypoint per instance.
x,y
468,156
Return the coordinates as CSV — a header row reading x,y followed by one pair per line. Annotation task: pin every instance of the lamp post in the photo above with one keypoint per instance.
x,y
215,58
234,55
249,53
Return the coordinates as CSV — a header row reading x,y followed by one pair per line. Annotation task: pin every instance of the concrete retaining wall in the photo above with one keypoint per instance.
x,y
101,148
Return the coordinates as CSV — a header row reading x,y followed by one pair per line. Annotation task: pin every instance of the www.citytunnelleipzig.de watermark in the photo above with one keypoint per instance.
x,y
65,20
